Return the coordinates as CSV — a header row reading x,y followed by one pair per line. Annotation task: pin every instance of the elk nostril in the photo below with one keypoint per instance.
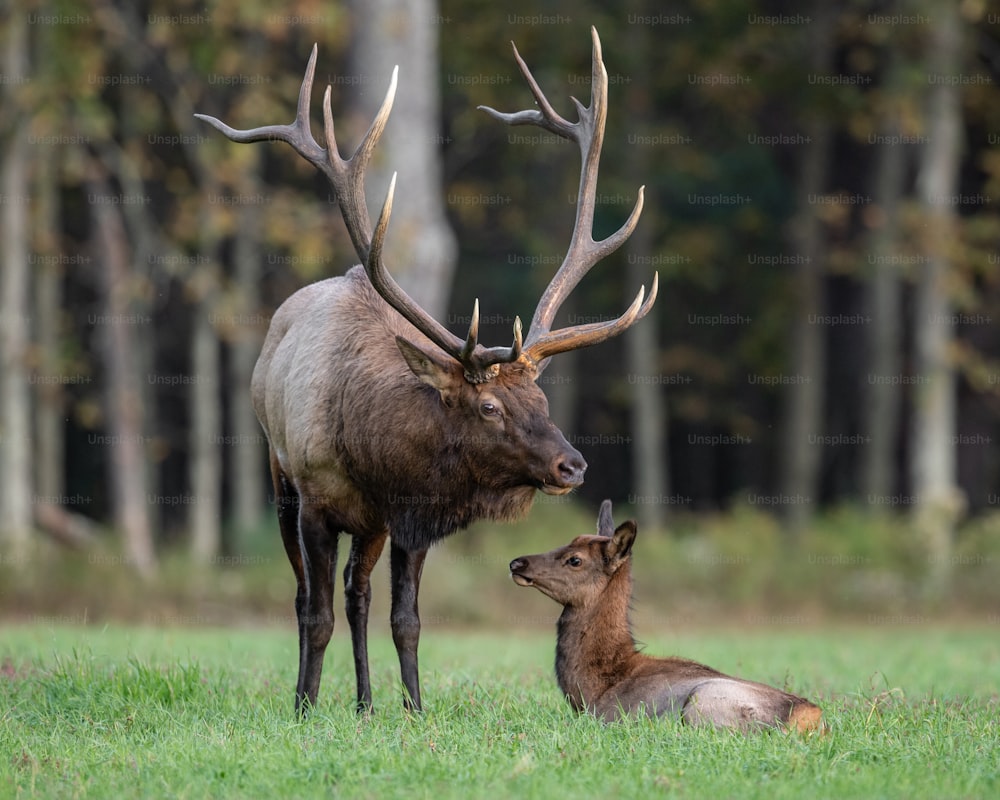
x,y
518,563
570,469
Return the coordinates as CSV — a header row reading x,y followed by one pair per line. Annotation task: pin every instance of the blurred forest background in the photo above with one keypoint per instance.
x,y
822,206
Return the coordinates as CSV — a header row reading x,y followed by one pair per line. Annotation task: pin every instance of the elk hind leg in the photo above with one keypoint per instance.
x,y
286,498
365,552
406,568
318,547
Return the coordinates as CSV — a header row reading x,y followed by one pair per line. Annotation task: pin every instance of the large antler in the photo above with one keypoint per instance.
x,y
347,179
583,251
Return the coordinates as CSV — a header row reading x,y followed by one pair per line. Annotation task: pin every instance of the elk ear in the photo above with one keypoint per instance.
x,y
441,373
605,523
619,546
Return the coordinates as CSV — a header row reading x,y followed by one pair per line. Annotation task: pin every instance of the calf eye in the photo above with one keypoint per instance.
x,y
573,561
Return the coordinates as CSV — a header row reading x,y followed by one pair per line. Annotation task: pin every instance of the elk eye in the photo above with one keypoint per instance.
x,y
574,561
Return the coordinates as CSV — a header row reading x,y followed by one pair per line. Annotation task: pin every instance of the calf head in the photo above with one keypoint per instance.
x,y
577,574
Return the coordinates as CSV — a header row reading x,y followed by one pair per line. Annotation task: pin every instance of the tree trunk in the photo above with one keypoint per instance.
x,y
204,445
205,402
650,474
882,406
15,398
246,455
803,419
561,383
127,463
938,499
650,471
50,452
420,246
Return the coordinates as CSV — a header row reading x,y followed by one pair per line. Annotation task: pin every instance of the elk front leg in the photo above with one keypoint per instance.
x,y
406,568
319,560
365,552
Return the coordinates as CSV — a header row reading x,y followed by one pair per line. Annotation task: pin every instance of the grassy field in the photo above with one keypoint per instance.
x,y
193,712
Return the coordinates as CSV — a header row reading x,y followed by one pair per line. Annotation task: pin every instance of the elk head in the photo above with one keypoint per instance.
x,y
492,387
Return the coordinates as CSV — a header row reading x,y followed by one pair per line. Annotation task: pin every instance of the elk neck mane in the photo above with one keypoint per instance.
x,y
396,420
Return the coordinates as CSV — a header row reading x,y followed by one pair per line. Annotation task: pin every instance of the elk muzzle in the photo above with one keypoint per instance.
x,y
565,473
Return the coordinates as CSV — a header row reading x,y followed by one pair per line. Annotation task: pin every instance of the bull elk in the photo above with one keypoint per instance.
x,y
381,423
598,666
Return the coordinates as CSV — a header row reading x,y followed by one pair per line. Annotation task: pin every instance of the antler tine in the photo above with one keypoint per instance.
x,y
583,252
394,294
364,150
473,338
546,118
479,363
348,177
296,134
487,357
592,333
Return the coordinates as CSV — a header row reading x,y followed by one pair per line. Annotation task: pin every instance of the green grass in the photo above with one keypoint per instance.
x,y
206,712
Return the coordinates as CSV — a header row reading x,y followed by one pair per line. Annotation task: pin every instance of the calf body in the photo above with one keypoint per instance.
x,y
598,666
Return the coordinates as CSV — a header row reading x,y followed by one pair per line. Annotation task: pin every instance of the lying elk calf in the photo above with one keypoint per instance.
x,y
597,664
383,424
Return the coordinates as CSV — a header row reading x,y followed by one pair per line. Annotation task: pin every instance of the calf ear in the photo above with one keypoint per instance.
x,y
444,375
605,524
619,546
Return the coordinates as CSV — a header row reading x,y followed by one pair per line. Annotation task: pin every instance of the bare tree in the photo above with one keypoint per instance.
x,y
50,451
205,403
938,499
804,411
405,33
883,406
127,465
247,452
15,395
650,473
